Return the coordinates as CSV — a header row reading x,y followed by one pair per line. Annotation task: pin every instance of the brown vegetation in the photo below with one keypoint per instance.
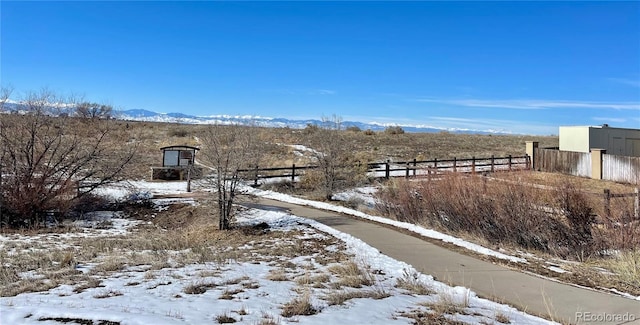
x,y
559,220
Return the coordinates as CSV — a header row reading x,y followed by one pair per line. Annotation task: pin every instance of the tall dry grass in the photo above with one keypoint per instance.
x,y
557,220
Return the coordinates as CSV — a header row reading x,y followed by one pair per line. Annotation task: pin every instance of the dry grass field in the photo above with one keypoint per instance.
x,y
367,146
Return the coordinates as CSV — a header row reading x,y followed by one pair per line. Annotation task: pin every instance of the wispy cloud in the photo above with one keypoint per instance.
x,y
610,119
533,104
628,82
322,92
493,125
469,124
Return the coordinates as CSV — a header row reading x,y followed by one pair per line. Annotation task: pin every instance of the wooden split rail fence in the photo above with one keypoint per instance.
x,y
413,168
636,201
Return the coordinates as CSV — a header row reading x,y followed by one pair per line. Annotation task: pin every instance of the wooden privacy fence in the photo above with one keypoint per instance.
x,y
413,168
621,168
615,168
565,162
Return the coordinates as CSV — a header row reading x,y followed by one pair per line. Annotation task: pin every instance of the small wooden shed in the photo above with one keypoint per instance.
x,y
177,163
173,156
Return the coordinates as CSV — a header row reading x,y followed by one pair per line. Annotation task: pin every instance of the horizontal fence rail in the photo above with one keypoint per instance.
x,y
413,168
636,201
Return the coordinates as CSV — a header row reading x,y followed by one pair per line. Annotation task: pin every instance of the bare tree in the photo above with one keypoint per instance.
x,y
5,93
48,163
337,164
227,149
94,110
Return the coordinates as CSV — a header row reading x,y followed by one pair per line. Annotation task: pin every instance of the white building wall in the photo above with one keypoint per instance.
x,y
574,138
616,141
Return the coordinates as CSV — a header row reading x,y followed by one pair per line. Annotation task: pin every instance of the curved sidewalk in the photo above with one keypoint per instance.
x,y
538,296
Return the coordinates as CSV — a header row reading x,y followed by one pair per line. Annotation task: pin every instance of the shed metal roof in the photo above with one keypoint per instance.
x,y
182,147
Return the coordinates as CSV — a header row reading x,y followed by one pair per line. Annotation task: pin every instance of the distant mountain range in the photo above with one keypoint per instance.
x,y
145,115
150,116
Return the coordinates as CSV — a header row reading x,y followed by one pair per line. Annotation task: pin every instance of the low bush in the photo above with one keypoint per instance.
x,y
559,222
300,306
393,130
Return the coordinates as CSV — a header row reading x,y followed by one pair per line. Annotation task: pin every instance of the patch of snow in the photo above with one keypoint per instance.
x,y
557,269
131,297
411,227
624,294
364,194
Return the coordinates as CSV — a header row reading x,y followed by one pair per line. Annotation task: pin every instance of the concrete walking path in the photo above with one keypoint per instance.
x,y
534,295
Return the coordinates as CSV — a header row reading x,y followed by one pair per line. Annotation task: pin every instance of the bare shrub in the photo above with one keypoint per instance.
x,y
339,297
559,223
179,132
111,264
229,294
576,209
48,163
620,230
352,275
502,318
93,110
89,283
627,266
411,282
337,164
420,317
225,319
25,286
198,287
228,149
393,130
449,304
299,306
278,275
268,319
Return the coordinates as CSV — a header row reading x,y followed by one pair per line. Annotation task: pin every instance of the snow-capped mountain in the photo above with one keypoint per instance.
x,y
145,115
150,116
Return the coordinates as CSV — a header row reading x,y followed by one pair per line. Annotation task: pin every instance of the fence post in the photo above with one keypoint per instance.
x,y
293,173
473,164
636,204
407,174
255,179
386,169
492,163
189,178
531,147
607,203
596,163
455,164
435,165
415,166
509,162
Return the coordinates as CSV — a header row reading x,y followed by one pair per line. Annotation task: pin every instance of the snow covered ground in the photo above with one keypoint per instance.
x,y
245,291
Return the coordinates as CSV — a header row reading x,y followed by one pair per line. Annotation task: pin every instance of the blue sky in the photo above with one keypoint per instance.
x,y
524,67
